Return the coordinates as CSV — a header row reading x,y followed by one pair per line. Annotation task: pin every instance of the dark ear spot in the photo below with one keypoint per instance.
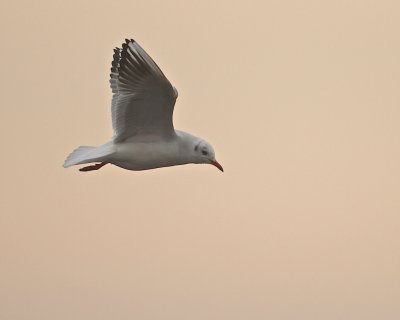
x,y
196,147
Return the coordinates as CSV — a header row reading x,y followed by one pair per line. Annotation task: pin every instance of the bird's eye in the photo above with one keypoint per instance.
x,y
204,152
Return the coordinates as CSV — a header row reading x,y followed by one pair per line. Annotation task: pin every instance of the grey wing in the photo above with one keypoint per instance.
x,y
144,99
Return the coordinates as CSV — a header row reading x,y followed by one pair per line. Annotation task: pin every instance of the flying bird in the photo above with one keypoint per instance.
x,y
141,110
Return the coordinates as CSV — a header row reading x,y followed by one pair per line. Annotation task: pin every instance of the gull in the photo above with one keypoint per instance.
x,y
141,110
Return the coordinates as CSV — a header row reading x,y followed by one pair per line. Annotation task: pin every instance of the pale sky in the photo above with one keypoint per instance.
x,y
301,102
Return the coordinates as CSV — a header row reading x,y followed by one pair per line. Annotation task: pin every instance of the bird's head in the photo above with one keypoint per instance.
x,y
204,153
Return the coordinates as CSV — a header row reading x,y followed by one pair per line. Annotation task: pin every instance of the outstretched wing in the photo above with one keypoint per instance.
x,y
144,99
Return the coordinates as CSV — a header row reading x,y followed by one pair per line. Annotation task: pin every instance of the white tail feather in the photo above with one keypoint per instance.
x,y
86,154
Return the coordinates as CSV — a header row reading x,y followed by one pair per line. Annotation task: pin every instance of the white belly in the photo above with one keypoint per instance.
x,y
148,155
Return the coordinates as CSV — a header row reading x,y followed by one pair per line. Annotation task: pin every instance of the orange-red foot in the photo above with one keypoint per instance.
x,y
96,166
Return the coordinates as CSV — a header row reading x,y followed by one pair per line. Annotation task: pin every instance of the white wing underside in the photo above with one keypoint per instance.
x,y
143,100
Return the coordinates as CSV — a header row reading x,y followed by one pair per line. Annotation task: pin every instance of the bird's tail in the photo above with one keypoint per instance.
x,y
85,154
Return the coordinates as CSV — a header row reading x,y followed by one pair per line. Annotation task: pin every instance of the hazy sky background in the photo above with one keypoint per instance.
x,y
301,101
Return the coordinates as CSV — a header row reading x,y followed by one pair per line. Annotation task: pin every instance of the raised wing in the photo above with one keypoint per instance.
x,y
144,99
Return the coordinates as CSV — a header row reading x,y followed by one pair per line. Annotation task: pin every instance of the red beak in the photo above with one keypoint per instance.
x,y
215,163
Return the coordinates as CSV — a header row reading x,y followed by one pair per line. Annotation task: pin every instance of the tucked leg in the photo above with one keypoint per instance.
x,y
96,166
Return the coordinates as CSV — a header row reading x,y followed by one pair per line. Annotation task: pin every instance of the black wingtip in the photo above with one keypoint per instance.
x,y
124,54
127,41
